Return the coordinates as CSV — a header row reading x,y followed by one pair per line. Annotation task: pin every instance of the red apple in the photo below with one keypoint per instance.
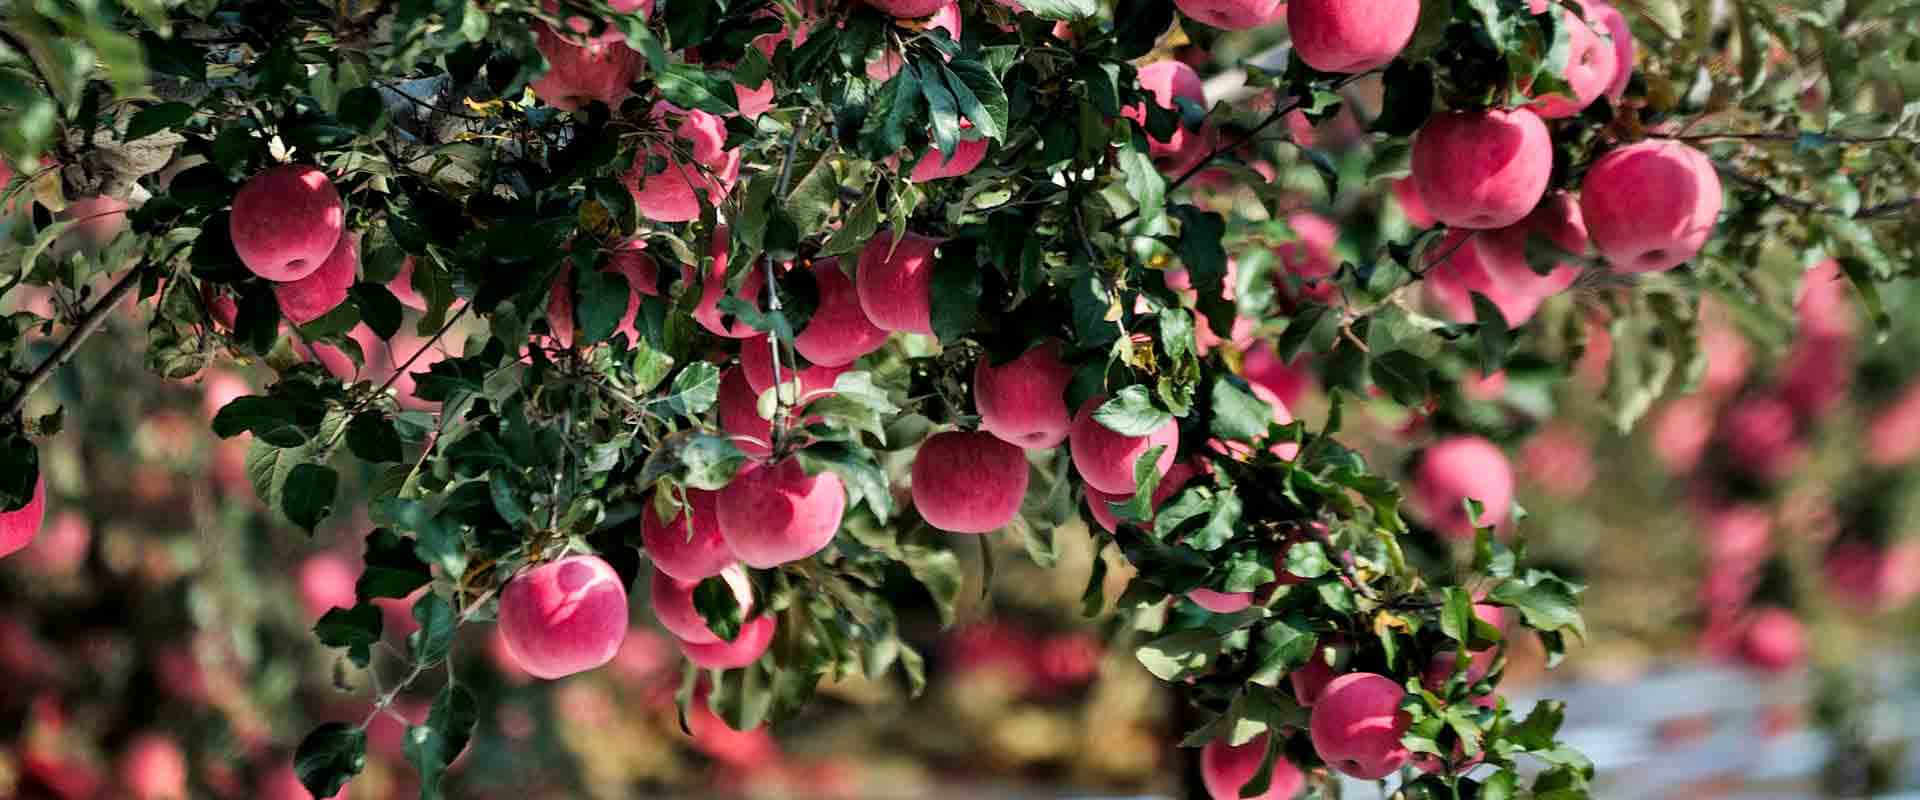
x,y
713,288
565,616
935,165
1234,15
152,767
1616,26
1650,206
1590,68
689,546
1482,169
62,546
907,9
1024,401
327,582
310,298
1168,81
895,282
1350,35
1773,640
582,73
1407,193
1495,264
756,363
747,647
673,606
968,482
1357,724
286,221
18,527
772,514
839,331
673,194
1225,768
1221,602
1106,459
740,414
1454,469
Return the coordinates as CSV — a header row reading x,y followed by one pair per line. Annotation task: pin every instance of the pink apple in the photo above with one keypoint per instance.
x,y
773,514
1495,264
673,606
1407,193
1590,69
20,526
1482,169
689,546
1650,206
1234,15
286,221
1773,640
402,287
1098,502
1357,724
1681,430
1871,578
1349,35
945,17
1454,469
152,767
673,194
580,25
935,165
1761,436
1559,459
1169,81
1616,26
1024,401
565,616
968,482
62,546
580,74
740,414
895,282
1106,459
1893,434
907,9
1284,382
97,221
839,331
1221,602
1823,305
310,298
713,288
747,647
756,363
1225,768
326,582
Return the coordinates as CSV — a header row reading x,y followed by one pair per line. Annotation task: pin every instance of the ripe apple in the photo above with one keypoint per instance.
x,y
1495,264
152,767
1865,576
326,582
1650,206
1482,169
1221,602
1590,68
310,298
62,546
756,363
713,288
1457,468
286,221
1309,680
642,276
776,513
673,606
1225,768
1169,81
839,331
672,194
1616,26
1106,459
689,546
1407,193
18,527
1349,36
1234,15
935,165
1024,401
1285,382
580,25
945,16
740,414
1357,724
1773,640
747,647
968,482
895,282
565,616
908,9
580,74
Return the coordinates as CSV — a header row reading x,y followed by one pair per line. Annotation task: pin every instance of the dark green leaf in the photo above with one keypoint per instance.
x,y
308,495
329,757
372,438
1131,412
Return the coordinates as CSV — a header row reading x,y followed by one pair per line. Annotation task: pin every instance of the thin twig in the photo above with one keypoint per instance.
x,y
773,291
435,339
87,327
395,88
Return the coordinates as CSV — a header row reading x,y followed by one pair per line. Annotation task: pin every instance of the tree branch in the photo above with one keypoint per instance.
x,y
89,324
1881,211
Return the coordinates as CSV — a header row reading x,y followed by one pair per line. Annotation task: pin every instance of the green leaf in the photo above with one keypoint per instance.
x,y
1131,412
1093,599
1403,375
1237,414
157,118
1062,9
982,99
364,110
713,600
956,292
269,419
1178,656
1494,336
1308,560
392,568
1144,183
695,389
600,299
434,746
1456,618
1545,601
330,756
378,308
356,629
434,637
689,86
897,102
943,109
308,495
372,438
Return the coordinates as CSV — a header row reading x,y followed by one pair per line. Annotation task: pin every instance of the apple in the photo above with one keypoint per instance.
x,y
1357,724
564,616
1224,769
1284,382
755,636
286,221
1761,434
581,74
62,546
689,545
1482,169
1234,15
1650,206
945,16
1871,578
1893,433
775,513
1169,81
908,9
1221,602
1106,459
326,581
1590,68
935,165
1681,430
839,331
19,526
1310,680
1454,469
968,482
740,415
580,25
1170,484
310,298
97,221
673,606
1615,23
1350,35
1407,194
152,767
895,282
1559,460
713,288
672,194
756,363
1495,264
1024,401
1773,640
